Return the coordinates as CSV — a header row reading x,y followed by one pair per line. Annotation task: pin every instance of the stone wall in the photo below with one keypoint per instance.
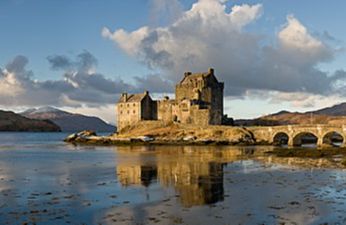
x,y
216,112
128,113
200,116
165,110
188,113
199,100
147,106
206,90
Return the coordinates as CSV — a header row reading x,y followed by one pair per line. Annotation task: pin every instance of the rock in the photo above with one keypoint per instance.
x,y
87,133
146,138
189,138
71,137
81,136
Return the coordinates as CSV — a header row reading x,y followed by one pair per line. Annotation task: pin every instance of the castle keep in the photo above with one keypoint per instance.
x,y
198,100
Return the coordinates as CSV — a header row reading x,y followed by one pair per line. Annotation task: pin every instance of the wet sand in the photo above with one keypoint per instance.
x,y
49,182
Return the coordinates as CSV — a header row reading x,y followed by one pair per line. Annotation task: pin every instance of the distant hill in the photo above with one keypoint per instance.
x,y
330,115
10,121
67,121
336,110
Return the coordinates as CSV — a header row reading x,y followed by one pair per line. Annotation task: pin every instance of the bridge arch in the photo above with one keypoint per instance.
x,y
280,138
334,138
305,137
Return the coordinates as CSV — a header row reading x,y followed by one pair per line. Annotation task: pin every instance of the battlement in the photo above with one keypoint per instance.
x,y
198,100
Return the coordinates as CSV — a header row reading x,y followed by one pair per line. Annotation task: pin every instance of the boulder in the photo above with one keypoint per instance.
x,y
146,138
80,136
189,138
71,137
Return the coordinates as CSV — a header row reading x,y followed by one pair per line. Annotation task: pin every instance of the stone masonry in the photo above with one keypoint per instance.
x,y
199,101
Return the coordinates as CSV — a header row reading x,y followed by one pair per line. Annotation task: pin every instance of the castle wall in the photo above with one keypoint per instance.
x,y
147,108
191,114
128,113
216,112
183,91
165,110
199,101
200,117
210,92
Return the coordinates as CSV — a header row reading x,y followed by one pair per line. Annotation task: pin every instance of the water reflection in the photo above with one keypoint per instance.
x,y
54,183
195,173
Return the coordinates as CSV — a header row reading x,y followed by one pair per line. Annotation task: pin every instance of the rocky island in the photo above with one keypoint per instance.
x,y
196,116
157,133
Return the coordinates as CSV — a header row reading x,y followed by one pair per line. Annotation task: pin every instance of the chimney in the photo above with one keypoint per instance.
x,y
124,96
211,71
187,74
146,92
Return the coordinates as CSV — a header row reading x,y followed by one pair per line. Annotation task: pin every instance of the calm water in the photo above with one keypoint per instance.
x,y
45,181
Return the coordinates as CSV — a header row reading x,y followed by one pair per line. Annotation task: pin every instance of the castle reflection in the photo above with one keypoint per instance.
x,y
196,173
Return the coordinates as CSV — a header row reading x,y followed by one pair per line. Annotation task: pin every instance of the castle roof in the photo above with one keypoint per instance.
x,y
135,98
188,76
132,97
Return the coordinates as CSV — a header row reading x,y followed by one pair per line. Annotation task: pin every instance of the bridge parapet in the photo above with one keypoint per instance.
x,y
293,132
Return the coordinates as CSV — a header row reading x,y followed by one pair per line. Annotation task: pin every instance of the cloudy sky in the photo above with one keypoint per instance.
x,y
79,55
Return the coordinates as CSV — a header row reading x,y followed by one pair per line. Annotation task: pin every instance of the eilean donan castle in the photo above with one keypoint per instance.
x,y
198,100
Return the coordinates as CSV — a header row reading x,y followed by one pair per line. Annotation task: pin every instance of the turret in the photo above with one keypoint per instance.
x,y
211,71
124,96
187,74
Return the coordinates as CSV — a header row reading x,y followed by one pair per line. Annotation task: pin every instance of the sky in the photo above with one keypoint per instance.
x,y
80,55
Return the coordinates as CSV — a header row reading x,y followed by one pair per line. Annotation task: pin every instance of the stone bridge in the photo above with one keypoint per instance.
x,y
294,133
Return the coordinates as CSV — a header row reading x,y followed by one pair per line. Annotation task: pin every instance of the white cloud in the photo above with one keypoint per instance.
x,y
207,35
79,84
9,85
295,40
129,42
163,11
295,35
301,100
244,14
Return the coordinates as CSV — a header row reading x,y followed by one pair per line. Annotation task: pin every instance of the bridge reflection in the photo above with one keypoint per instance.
x,y
195,173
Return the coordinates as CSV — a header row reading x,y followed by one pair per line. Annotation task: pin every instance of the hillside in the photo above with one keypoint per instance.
x,y
335,115
336,110
67,121
10,121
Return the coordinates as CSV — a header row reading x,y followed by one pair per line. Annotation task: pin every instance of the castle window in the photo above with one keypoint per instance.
x,y
121,112
128,112
128,105
121,105
134,104
134,111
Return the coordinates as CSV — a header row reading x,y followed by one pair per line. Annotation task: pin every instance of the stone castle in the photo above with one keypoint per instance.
x,y
198,100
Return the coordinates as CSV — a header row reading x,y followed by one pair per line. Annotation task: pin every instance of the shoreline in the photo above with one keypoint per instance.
x,y
106,141
90,138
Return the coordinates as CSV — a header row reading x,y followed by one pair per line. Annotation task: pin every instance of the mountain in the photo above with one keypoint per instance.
x,y
10,121
336,110
67,121
330,115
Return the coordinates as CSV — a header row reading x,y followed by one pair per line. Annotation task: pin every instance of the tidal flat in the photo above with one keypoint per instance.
x,y
46,181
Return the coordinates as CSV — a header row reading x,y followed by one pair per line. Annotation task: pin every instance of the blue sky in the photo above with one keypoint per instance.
x,y
38,29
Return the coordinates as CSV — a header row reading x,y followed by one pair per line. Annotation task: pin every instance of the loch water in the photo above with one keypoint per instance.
x,y
46,181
